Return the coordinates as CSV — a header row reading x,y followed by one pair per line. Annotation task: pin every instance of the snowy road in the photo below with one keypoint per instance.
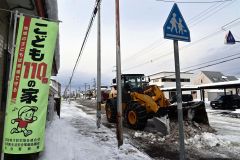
x,y
224,144
222,121
75,137
227,125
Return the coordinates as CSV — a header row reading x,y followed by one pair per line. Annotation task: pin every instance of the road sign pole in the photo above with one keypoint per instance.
x,y
179,101
99,70
119,82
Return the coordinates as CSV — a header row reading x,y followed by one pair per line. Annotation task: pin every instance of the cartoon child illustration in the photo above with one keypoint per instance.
x,y
25,116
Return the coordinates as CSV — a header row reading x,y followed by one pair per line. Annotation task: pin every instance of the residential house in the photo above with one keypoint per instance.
x,y
207,77
168,79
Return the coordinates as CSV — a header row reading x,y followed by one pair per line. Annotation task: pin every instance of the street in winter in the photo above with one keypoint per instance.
x,y
76,137
119,80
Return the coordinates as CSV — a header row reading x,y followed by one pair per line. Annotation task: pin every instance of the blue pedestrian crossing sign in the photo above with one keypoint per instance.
x,y
229,39
175,27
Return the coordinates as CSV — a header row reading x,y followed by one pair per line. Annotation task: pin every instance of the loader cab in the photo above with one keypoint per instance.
x,y
132,81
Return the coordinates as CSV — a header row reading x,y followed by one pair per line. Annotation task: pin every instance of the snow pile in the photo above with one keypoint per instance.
x,y
236,111
152,138
75,136
190,130
207,140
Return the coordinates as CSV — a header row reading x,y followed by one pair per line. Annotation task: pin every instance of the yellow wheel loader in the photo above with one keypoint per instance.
x,y
141,102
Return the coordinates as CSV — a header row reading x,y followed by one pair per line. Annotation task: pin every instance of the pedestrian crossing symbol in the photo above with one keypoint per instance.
x,y
175,27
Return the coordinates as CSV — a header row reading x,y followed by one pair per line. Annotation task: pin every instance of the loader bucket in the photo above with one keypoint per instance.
x,y
192,111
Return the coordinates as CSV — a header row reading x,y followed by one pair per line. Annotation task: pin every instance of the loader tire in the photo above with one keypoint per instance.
x,y
111,110
136,116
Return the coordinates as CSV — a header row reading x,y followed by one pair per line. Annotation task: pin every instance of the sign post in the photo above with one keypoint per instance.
x,y
176,29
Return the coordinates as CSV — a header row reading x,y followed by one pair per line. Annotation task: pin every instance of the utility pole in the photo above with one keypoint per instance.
x,y
119,85
94,87
70,91
85,96
98,70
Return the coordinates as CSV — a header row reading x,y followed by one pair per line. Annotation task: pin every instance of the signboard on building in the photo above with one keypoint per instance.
x,y
29,86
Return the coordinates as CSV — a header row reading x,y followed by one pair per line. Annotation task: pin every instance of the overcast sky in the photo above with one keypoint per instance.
x,y
143,48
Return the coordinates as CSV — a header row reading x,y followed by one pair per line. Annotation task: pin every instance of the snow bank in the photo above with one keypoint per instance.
x,y
236,111
153,138
207,139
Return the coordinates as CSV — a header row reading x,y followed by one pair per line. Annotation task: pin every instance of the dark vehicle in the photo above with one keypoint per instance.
x,y
185,98
226,102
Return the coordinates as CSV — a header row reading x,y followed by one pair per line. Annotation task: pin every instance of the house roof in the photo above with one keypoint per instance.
x,y
215,76
218,85
168,72
232,78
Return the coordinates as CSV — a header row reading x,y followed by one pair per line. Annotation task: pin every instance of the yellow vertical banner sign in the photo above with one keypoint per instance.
x,y
27,101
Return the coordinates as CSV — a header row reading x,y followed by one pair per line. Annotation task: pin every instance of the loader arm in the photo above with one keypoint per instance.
x,y
151,105
154,102
158,96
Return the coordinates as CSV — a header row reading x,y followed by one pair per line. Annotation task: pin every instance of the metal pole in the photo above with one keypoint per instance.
x,y
99,70
70,91
119,85
85,95
13,45
11,62
179,101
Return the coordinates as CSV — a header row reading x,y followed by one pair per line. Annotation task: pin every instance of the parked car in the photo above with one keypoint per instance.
x,y
226,102
185,98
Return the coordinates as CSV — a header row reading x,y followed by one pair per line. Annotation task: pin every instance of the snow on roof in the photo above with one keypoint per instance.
x,y
215,76
220,83
183,87
192,87
216,91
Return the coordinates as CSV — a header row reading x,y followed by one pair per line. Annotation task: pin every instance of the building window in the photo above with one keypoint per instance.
x,y
174,80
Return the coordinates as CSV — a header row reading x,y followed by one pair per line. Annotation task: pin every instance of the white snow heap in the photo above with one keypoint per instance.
x,y
207,139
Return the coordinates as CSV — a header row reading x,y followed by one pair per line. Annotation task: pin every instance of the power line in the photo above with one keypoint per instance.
x,y
212,12
223,27
213,64
212,61
170,52
209,65
219,1
203,12
98,2
186,46
192,20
